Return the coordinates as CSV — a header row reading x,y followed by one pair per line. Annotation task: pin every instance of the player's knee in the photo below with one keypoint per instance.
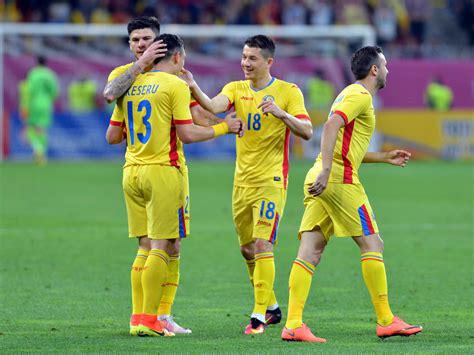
x,y
312,256
311,253
378,244
175,247
248,251
381,246
144,243
263,246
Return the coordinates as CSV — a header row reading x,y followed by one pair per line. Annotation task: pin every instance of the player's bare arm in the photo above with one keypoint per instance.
x,y
204,118
117,87
218,104
395,157
115,134
300,128
191,133
328,142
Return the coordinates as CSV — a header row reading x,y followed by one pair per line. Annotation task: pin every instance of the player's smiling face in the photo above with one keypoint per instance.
x,y
254,64
140,40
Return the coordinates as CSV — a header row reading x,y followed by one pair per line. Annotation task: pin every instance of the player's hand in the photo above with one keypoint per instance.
x,y
156,50
187,76
320,184
398,157
235,124
269,106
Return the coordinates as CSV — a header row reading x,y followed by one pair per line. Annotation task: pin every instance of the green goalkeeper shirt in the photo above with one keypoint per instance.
x,y
43,89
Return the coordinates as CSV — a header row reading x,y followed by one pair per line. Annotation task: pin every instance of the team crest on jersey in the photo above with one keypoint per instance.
x,y
269,98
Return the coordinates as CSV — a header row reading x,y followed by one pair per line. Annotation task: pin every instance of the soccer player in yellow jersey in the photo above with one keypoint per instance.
x,y
336,203
270,108
142,33
155,112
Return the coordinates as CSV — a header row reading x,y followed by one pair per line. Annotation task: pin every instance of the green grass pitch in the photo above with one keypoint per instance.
x,y
65,260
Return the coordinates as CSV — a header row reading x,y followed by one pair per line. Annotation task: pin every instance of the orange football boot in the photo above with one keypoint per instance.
x,y
151,326
255,327
397,327
134,322
302,333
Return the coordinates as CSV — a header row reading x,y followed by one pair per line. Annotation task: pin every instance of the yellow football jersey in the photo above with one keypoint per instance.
x,y
263,151
354,105
118,71
154,104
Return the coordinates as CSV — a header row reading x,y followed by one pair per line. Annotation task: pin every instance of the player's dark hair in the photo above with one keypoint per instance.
x,y
174,44
264,43
41,60
363,59
139,23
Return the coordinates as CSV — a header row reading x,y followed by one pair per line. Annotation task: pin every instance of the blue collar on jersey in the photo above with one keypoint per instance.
x,y
358,83
154,71
269,83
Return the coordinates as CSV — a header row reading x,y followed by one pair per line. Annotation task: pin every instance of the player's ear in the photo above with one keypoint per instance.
x,y
269,62
374,70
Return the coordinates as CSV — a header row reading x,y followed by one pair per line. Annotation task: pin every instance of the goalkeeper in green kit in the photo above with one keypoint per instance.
x,y
43,89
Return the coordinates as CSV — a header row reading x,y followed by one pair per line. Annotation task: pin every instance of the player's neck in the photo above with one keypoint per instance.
x,y
166,67
260,83
369,85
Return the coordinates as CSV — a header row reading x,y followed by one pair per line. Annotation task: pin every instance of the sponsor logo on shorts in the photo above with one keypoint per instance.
x,y
264,223
276,178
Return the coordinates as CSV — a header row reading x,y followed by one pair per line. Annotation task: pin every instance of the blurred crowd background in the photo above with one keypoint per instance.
x,y
407,28
427,106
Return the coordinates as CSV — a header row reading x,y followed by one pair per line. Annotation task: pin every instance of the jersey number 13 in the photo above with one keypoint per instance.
x,y
144,106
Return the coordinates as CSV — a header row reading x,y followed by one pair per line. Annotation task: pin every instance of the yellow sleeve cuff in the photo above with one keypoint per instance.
x,y
220,129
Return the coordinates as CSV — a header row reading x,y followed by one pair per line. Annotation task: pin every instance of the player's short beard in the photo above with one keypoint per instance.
x,y
381,82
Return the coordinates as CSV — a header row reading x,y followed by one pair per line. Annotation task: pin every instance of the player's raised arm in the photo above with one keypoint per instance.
x,y
142,32
118,86
395,157
328,142
301,127
218,104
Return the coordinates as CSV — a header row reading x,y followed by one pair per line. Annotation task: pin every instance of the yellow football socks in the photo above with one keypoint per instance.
x,y
373,271
300,283
154,277
136,280
171,286
263,279
250,269
273,301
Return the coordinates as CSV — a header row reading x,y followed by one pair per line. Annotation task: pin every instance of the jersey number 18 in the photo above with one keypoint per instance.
x,y
254,124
